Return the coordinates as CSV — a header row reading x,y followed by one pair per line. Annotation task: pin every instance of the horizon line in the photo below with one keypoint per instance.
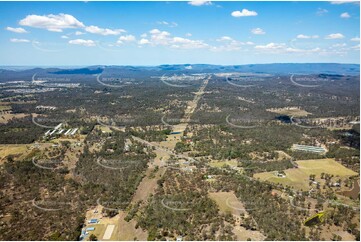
x,y
174,64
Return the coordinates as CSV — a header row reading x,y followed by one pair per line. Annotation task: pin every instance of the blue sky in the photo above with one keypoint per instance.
x,y
153,33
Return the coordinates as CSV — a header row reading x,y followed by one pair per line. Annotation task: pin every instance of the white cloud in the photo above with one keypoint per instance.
x,y
126,38
257,31
233,42
83,42
20,40
302,36
335,36
96,30
345,15
159,37
225,38
157,31
199,3
79,33
156,37
301,51
321,11
283,48
64,37
357,39
188,34
270,46
183,43
144,42
17,30
243,13
51,22
164,38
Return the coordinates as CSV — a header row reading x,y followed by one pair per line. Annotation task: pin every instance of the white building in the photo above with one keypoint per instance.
x,y
67,132
58,126
74,131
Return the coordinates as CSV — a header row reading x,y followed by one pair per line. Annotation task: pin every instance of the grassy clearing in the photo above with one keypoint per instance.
x,y
294,177
172,140
78,138
126,231
104,129
148,185
10,149
299,177
295,112
243,234
283,155
220,164
103,223
99,230
5,118
329,166
227,202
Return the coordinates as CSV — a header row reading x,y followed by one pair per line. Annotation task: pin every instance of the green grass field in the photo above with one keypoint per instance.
x,y
299,177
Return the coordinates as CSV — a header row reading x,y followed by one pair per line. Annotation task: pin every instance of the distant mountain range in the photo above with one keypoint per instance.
x,y
309,68
9,73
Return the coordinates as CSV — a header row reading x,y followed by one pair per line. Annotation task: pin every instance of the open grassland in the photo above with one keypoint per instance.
x,y
299,177
293,112
329,166
283,155
104,129
294,177
244,234
98,230
172,140
10,149
227,202
126,231
220,164
77,138
5,118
